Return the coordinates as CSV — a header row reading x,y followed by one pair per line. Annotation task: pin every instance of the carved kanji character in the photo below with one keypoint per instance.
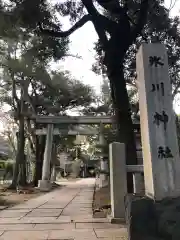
x,y
155,61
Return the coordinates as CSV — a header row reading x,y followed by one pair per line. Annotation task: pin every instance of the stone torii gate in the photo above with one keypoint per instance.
x,y
50,130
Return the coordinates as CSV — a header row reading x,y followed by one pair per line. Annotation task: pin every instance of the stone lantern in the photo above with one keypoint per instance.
x,y
101,144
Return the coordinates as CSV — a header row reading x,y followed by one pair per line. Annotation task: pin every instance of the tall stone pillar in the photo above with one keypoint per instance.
x,y
45,184
118,180
158,130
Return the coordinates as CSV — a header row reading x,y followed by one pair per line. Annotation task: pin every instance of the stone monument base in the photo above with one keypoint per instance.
x,y
44,185
114,220
152,220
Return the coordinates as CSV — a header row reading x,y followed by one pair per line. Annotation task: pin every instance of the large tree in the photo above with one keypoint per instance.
x,y
159,28
24,60
29,87
110,31
118,25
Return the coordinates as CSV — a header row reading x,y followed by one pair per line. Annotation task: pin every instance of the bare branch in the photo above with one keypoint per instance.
x,y
112,6
73,56
176,90
141,20
97,24
67,33
172,5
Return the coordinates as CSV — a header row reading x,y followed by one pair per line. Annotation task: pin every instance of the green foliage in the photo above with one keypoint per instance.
x,y
42,47
52,92
7,165
63,94
2,164
17,22
27,83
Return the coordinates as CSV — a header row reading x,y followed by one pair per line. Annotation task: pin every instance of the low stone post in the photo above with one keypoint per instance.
x,y
118,180
45,184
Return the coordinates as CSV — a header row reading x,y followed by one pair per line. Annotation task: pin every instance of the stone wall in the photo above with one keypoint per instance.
x,y
150,220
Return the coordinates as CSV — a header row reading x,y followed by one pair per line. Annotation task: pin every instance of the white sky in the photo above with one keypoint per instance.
x,y
82,44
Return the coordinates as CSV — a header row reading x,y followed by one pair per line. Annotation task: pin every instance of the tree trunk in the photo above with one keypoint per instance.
x,y
123,115
20,163
40,147
22,176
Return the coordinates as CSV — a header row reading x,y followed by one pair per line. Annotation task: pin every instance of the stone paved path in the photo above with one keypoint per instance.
x,y
65,214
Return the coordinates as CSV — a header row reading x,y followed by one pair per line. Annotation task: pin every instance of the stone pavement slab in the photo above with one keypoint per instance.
x,y
45,213
56,226
75,233
52,206
25,235
105,233
16,227
13,213
26,220
27,206
88,219
75,213
9,220
65,213
98,226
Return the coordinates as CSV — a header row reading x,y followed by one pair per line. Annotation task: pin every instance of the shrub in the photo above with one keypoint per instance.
x,y
8,168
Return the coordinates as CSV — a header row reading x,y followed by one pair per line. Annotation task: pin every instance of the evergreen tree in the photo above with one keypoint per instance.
x,y
29,87
120,26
